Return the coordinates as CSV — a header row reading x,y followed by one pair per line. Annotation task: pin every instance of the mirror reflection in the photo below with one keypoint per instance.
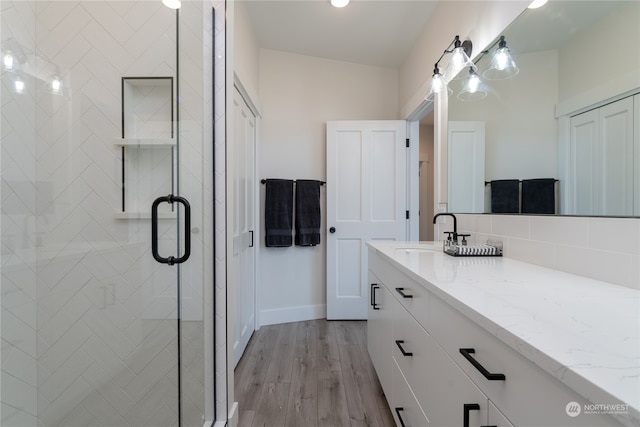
x,y
562,136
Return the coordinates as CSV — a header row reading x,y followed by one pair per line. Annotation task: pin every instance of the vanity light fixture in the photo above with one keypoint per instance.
x,y
438,84
172,4
460,59
339,3
472,89
502,64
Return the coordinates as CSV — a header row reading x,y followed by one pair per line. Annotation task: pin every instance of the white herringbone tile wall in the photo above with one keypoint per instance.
x,y
89,330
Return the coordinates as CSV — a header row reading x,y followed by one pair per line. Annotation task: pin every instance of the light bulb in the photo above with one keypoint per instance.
x,y
18,84
8,61
473,83
437,83
457,59
502,58
339,3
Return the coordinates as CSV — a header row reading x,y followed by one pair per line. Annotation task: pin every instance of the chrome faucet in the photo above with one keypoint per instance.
x,y
455,224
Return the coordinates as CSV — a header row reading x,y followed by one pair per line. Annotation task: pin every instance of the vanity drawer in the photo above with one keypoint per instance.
x,y
413,296
404,406
528,396
410,351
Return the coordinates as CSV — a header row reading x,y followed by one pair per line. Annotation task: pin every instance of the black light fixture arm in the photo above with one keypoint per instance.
x,y
466,45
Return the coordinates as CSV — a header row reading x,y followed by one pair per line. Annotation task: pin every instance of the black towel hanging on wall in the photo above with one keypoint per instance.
x,y
278,212
307,212
539,196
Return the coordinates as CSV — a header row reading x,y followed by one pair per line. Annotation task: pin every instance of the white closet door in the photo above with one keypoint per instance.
x,y
602,157
242,154
616,154
584,143
366,200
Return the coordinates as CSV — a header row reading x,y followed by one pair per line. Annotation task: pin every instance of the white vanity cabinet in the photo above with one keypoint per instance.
x,y
379,332
528,396
415,346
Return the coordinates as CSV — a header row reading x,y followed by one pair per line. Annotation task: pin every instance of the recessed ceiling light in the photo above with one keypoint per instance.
x,y
339,3
172,4
537,3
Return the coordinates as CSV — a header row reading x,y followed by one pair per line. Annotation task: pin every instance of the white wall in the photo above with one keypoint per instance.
x,y
245,49
516,146
299,94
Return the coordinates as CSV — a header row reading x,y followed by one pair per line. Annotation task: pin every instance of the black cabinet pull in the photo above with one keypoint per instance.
x,y
468,407
402,350
187,229
374,304
401,292
398,410
467,352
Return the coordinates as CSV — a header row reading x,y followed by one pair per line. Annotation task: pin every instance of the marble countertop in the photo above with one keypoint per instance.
x,y
584,332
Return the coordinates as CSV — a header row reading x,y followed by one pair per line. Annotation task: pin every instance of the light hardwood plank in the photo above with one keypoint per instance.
x,y
315,373
272,410
281,362
328,353
332,401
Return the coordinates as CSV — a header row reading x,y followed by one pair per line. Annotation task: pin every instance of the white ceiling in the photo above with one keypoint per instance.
x,y
371,32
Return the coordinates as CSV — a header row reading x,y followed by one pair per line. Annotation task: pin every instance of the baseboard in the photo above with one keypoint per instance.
x,y
293,314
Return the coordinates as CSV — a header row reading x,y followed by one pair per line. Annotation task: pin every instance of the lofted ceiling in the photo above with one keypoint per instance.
x,y
371,32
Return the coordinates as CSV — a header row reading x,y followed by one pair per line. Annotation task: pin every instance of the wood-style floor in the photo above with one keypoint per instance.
x,y
310,374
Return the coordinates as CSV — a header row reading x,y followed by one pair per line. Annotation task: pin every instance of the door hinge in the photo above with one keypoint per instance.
x,y
407,142
407,215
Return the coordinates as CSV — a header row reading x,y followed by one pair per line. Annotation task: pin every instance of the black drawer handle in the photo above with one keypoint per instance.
x,y
401,292
467,352
468,407
402,350
374,304
398,410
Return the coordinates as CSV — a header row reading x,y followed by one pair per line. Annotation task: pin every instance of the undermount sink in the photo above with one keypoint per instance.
x,y
420,248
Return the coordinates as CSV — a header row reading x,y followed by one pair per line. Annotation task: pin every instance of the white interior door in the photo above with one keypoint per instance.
x,y
466,166
366,200
243,175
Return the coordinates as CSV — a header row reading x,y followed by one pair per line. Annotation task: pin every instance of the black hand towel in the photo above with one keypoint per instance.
x,y
307,212
278,212
505,196
539,196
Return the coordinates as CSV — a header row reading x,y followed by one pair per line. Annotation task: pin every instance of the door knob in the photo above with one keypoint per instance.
x,y
332,230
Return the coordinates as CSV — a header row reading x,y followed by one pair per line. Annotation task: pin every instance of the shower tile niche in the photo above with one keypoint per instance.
x,y
147,145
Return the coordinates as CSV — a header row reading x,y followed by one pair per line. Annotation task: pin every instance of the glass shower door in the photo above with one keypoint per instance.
x,y
94,329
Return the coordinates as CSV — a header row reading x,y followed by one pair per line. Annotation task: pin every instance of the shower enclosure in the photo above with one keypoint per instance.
x,y
107,106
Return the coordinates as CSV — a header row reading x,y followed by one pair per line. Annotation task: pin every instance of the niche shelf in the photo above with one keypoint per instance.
x,y
147,146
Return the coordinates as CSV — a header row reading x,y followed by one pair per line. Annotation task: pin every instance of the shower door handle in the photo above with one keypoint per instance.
x,y
187,229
